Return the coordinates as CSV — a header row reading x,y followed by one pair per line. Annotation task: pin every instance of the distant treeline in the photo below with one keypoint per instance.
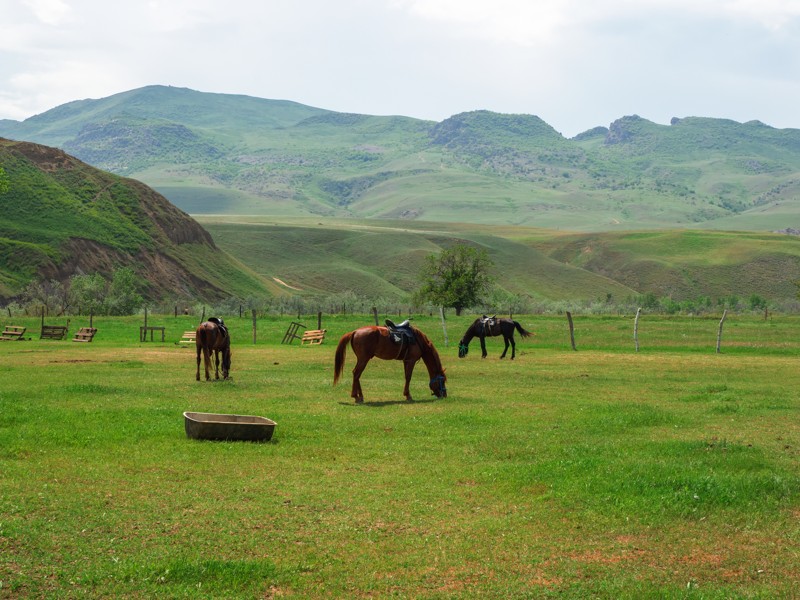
x,y
350,303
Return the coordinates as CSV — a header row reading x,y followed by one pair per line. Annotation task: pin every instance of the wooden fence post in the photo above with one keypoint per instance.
x,y
636,328
719,332
444,326
375,314
254,325
319,320
571,330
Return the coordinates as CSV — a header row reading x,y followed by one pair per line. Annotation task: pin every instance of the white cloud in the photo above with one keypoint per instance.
x,y
528,23
49,12
505,21
177,15
574,63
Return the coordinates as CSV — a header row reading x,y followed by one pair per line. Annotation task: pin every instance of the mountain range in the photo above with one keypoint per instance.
x,y
230,154
293,199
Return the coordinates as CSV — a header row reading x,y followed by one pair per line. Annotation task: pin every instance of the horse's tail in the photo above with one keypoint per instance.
x,y
204,343
522,331
341,349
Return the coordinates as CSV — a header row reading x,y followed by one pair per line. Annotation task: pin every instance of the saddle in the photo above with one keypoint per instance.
x,y
220,323
488,322
401,333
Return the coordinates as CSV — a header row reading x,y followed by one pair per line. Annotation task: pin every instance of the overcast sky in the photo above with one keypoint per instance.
x,y
576,64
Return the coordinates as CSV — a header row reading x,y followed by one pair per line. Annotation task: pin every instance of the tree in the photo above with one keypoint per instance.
x,y
50,294
457,277
123,297
88,293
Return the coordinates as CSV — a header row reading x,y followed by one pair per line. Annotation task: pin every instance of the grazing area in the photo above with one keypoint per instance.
x,y
671,472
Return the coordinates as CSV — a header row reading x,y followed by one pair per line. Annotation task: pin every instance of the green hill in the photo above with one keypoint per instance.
x,y
229,154
382,259
302,200
62,217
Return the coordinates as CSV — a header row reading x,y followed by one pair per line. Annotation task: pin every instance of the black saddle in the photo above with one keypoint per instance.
x,y
401,332
220,323
488,322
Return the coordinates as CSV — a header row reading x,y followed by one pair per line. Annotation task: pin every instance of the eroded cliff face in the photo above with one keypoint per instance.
x,y
177,226
165,276
163,244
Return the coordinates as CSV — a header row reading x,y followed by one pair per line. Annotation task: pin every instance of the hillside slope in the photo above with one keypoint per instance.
x,y
382,259
229,154
62,217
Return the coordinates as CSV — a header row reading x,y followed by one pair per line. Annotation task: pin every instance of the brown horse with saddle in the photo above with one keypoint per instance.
x,y
393,342
212,337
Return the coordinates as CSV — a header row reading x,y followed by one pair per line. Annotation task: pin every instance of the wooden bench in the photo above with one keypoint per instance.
x,y
189,337
291,333
143,333
53,332
313,336
12,333
85,334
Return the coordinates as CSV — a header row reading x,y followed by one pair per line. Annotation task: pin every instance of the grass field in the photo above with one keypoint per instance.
x,y
602,472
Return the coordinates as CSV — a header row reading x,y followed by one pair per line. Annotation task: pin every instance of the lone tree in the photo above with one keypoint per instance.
x,y
457,277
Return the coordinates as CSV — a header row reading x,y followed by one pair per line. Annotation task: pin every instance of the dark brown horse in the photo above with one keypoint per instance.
x,y
483,328
212,336
368,342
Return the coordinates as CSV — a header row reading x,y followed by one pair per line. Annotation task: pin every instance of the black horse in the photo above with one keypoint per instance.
x,y
489,327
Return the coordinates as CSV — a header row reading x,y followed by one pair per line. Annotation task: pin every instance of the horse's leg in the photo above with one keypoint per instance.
x,y
207,361
356,392
503,355
409,369
216,363
513,347
199,349
483,346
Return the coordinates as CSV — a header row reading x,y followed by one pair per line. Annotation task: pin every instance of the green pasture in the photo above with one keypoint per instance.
x,y
602,472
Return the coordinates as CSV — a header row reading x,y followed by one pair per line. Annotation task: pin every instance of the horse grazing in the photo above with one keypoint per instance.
x,y
368,342
490,327
212,336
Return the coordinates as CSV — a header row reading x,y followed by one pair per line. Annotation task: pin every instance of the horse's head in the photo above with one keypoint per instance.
x,y
463,349
438,387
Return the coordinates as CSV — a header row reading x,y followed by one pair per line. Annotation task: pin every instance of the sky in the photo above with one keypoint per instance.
x,y
576,64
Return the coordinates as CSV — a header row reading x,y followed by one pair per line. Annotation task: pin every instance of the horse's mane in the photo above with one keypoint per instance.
x,y
427,346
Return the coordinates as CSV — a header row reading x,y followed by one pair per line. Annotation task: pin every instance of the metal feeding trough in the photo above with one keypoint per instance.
x,y
212,426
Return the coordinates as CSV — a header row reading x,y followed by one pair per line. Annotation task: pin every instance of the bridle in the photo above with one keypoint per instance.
x,y
442,389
